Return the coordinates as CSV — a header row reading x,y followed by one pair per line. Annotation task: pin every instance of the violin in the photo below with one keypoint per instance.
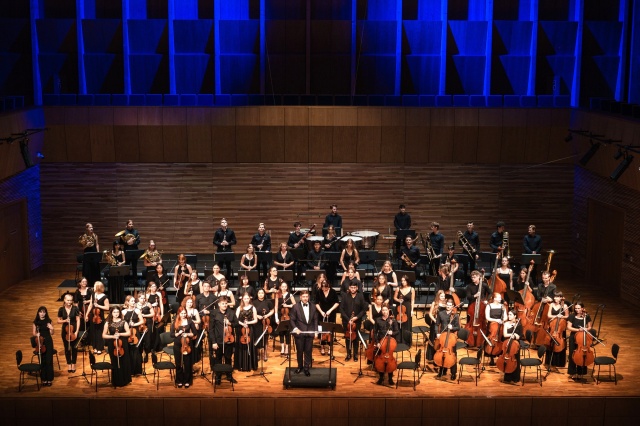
x,y
206,319
446,356
507,361
133,336
228,334
384,360
245,338
351,329
266,323
69,331
157,315
97,316
186,345
39,343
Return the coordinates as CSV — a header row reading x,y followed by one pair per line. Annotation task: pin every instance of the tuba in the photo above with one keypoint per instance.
x,y
505,243
87,241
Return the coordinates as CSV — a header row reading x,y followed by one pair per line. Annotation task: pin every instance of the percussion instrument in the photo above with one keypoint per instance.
x,y
311,241
369,238
342,242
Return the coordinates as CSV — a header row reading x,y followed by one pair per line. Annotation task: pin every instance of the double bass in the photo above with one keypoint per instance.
x,y
527,297
454,268
476,317
497,284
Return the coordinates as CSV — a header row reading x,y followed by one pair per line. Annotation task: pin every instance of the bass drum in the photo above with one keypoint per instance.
x,y
369,238
311,241
357,242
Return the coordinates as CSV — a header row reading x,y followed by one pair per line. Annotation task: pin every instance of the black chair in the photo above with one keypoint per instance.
x,y
79,259
534,362
98,366
160,366
31,369
609,361
55,353
166,340
525,344
409,365
221,369
463,335
402,347
420,330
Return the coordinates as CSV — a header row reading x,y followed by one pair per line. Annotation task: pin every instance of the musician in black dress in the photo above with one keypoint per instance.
x,y
350,277
156,323
327,303
116,331
90,244
382,288
509,330
97,310
222,318
181,274
519,283
69,315
82,299
412,253
284,302
447,320
246,359
146,313
439,304
245,287
349,255
401,222
497,238
131,240
249,259
333,219
272,283
283,259
42,327
557,309
133,317
224,239
261,242
265,311
352,309
405,297
183,330
115,283
474,241
385,326
162,279
578,320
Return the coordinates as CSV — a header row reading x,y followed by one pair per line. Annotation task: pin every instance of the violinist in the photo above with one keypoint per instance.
x,y
193,286
223,290
204,305
405,296
327,303
352,309
351,276
162,280
385,325
382,288
272,283
82,299
579,320
438,305
261,241
147,314
411,252
223,320
156,326
245,287
116,332
304,318
510,329
41,330
284,259
265,311
246,359
193,315
495,313
181,274
349,255
69,316
133,317
96,311
447,320
284,303
387,271
557,324
183,330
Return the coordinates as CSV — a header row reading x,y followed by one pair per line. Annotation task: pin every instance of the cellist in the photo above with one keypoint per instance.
x,y
577,321
448,320
385,325
352,309
495,313
512,329
558,312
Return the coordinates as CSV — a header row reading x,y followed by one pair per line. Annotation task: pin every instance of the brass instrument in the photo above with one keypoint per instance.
x,y
505,243
408,261
431,253
125,236
550,254
152,256
109,258
466,245
87,241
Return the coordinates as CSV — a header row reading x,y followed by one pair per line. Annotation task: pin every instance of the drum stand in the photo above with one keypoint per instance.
x,y
261,373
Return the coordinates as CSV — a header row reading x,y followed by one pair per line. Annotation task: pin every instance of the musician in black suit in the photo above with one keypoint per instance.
x,y
304,318
261,241
402,222
224,239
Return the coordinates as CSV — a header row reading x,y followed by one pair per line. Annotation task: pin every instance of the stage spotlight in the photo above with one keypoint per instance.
x,y
39,155
628,158
589,154
569,137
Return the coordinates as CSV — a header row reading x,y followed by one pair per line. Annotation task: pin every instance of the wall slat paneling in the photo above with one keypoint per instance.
x,y
223,144
126,142
199,144
102,143
368,144
272,144
320,144
416,147
296,144
185,212
345,144
392,146
150,144
248,144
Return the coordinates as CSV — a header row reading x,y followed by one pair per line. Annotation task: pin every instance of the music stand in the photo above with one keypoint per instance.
x,y
333,328
537,259
285,275
261,373
361,348
312,274
116,291
252,274
192,259
513,297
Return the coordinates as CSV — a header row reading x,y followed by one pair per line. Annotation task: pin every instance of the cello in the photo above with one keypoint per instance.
x,y
557,327
446,356
476,317
384,360
583,355
507,361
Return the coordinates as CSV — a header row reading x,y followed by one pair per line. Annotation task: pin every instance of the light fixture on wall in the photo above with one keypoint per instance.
x,y
623,165
595,146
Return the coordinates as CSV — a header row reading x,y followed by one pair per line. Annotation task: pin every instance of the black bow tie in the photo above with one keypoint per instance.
x,y
305,305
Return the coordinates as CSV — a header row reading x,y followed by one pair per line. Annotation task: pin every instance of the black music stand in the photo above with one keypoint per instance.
x,y
513,297
285,275
537,259
116,285
333,328
430,283
361,348
369,257
192,259
261,373
92,258
225,257
285,327
312,274
252,274
133,256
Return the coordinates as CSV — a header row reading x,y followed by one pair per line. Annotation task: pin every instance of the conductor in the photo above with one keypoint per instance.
x,y
304,318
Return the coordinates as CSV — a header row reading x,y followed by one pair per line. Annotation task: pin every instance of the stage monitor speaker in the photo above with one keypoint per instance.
x,y
319,378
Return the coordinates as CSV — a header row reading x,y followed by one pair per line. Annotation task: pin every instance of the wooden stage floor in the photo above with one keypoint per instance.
x,y
19,304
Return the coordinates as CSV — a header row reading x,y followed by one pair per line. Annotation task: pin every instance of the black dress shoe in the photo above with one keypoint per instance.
x,y
232,380
348,357
307,373
380,381
298,370
355,357
391,382
453,377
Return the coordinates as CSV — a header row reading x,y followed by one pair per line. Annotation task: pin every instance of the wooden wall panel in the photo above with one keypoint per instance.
x,y
248,144
272,146
320,144
126,144
55,146
77,134
417,145
489,136
538,135
345,144
442,134
465,137
296,144
150,144
514,136
223,144
199,144
174,134
392,144
369,144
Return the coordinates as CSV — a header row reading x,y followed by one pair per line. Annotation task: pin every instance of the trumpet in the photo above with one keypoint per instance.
x,y
466,245
87,240
505,243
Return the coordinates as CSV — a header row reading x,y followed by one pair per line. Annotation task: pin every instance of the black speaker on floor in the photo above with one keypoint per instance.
x,y
319,378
